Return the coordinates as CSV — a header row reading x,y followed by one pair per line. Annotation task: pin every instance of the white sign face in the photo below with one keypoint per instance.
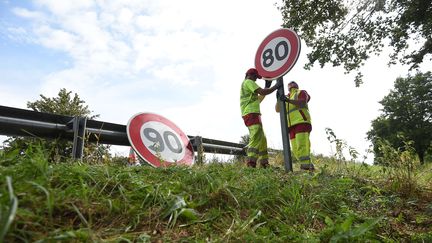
x,y
275,54
162,141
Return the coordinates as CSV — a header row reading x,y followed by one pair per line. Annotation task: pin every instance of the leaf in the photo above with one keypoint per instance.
x,y
188,214
80,215
328,221
47,194
357,232
10,214
365,227
174,205
252,219
346,225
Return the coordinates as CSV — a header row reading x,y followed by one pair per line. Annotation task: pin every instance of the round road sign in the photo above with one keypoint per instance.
x,y
277,53
158,141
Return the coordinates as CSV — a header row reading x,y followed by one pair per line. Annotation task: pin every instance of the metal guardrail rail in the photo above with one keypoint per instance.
x,y
21,122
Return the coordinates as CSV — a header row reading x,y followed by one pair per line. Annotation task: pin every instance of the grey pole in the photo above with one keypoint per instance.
x,y
79,127
200,150
284,128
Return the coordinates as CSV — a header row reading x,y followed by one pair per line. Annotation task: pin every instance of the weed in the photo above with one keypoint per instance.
x,y
345,229
400,167
8,212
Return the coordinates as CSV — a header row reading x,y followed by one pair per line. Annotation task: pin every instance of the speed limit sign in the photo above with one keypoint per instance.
x,y
158,141
277,53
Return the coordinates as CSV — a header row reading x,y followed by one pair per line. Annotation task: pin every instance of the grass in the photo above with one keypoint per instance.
x,y
215,202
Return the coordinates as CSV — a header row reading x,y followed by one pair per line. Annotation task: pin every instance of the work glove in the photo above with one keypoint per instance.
x,y
279,94
268,83
283,98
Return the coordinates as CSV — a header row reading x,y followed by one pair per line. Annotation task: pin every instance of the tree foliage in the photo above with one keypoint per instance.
x,y
407,115
348,32
63,104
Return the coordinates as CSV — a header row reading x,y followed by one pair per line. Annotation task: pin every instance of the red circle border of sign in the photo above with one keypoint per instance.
x,y
295,43
137,144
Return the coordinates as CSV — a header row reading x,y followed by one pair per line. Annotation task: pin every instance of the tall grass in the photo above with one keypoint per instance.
x,y
215,202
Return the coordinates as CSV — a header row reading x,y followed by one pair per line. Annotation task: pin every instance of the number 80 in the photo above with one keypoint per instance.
x,y
268,58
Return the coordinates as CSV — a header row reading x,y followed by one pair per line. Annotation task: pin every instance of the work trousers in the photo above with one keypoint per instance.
x,y
257,147
300,146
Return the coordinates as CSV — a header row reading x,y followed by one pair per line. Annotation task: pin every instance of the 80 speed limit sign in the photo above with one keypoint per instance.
x,y
159,141
277,54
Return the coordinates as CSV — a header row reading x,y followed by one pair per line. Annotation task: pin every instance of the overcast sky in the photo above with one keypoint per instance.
x,y
184,60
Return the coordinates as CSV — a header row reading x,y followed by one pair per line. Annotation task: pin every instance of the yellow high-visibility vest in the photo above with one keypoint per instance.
x,y
297,115
249,100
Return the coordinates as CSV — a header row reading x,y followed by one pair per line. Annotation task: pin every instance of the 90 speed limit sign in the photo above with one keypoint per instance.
x,y
158,141
277,53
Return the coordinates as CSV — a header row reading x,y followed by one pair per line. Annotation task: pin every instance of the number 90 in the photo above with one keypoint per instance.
x,y
161,141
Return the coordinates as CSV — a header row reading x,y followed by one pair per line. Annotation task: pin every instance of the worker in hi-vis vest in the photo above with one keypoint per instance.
x,y
299,121
251,96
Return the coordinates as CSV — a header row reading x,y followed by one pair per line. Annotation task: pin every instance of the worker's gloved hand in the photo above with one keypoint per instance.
x,y
284,98
279,94
268,83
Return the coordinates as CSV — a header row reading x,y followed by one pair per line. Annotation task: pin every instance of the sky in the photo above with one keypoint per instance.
x,y
184,60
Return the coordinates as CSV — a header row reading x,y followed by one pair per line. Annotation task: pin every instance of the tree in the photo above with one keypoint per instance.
x,y
63,104
407,113
348,32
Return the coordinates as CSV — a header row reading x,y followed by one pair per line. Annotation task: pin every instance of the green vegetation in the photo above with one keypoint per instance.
x,y
347,33
215,202
63,104
406,116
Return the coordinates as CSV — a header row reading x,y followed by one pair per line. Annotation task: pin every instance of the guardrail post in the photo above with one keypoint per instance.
x,y
79,126
200,149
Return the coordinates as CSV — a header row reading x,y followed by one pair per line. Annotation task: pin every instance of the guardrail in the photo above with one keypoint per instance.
x,y
21,122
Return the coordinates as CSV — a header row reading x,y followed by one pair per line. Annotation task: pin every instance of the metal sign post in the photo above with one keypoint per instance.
x,y
275,57
284,128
